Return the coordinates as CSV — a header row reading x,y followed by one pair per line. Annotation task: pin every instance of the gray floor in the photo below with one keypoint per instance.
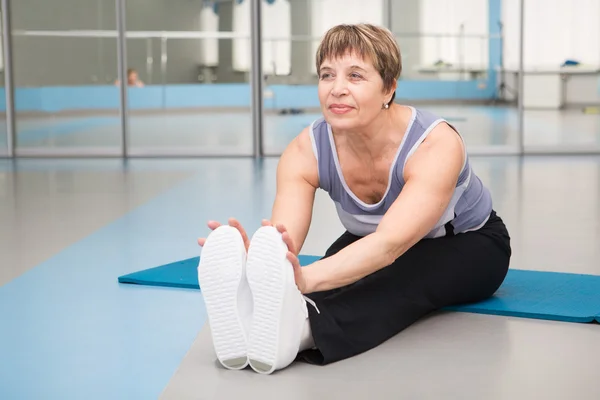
x,y
43,212
445,356
551,206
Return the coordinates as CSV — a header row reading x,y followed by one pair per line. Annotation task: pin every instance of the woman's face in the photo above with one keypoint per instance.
x,y
133,77
350,92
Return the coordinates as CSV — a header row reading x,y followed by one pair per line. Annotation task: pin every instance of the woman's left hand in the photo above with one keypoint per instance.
x,y
299,273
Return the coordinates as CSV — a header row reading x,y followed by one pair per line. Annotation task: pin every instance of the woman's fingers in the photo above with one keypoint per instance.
x,y
280,228
236,224
287,239
298,272
213,225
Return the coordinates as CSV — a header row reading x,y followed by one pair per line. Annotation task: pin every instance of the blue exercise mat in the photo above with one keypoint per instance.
x,y
180,274
528,294
543,295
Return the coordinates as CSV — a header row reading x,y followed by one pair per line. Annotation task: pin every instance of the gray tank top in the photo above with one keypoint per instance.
x,y
469,208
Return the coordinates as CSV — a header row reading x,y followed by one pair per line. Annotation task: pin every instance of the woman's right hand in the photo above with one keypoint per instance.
x,y
212,225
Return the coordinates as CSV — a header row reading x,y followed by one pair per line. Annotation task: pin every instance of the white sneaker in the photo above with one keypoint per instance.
x,y
222,279
280,311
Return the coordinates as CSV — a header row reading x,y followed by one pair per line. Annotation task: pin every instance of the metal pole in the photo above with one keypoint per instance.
x,y
122,70
163,69
149,61
521,79
256,76
11,139
387,9
99,50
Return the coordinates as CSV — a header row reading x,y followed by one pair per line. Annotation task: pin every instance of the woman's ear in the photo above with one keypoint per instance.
x,y
392,98
390,94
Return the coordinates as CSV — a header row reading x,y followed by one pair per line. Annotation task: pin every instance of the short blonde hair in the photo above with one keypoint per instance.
x,y
374,43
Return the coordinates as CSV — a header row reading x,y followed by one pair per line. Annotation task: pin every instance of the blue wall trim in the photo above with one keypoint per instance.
x,y
54,99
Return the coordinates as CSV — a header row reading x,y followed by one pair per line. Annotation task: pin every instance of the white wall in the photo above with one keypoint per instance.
x,y
555,30
446,17
328,13
209,48
276,24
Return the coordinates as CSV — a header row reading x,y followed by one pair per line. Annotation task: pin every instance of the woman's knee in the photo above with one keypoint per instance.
x,y
489,278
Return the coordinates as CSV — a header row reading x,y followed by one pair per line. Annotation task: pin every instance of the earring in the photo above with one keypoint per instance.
x,y
385,105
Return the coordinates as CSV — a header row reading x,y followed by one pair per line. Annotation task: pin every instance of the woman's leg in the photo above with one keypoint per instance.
x,y
433,274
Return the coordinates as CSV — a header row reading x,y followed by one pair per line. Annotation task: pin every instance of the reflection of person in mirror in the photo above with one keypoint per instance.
x,y
132,79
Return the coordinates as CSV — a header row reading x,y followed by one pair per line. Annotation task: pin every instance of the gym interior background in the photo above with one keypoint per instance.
x,y
99,178
461,58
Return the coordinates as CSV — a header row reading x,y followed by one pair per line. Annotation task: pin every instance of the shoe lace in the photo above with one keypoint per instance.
x,y
312,303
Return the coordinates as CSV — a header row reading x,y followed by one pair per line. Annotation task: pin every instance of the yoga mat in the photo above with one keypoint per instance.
x,y
543,295
180,274
528,294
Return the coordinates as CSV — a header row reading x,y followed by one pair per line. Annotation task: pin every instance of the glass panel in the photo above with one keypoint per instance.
x,y
560,93
192,94
290,81
450,52
452,56
65,70
3,127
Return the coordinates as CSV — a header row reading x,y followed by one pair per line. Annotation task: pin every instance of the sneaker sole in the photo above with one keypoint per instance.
x,y
266,276
220,273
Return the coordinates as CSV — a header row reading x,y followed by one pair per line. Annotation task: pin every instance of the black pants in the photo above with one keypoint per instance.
x,y
433,274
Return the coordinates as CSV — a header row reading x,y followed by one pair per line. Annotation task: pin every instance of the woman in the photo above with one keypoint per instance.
x,y
421,232
133,79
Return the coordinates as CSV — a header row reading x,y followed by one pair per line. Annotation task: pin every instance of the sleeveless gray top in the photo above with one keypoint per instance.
x,y
469,208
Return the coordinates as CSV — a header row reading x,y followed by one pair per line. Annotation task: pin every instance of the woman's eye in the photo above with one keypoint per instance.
x,y
354,75
325,76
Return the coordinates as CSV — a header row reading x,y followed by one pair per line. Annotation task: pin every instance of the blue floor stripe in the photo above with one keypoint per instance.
x,y
70,331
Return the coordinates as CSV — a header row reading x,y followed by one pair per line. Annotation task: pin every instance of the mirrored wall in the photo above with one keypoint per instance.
x,y
65,65
4,139
452,53
190,73
188,78
451,58
561,92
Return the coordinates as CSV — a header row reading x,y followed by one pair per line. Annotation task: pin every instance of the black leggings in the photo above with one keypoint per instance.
x,y
433,274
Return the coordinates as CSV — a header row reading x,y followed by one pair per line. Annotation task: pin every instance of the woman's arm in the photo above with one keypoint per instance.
x,y
431,175
297,182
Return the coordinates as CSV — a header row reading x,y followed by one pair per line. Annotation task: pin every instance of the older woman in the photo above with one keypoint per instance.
x,y
421,233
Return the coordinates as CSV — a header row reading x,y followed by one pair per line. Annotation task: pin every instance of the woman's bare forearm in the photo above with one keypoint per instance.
x,y
294,211
297,182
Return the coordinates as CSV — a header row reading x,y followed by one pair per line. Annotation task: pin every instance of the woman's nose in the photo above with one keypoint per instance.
x,y
340,87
